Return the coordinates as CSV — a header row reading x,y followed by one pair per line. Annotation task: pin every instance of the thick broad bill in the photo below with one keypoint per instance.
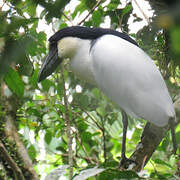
x,y
49,65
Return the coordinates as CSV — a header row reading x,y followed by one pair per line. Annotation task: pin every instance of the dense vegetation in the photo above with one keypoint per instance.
x,y
63,120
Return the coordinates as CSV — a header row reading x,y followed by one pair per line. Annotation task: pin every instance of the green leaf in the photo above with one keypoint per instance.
x,y
48,137
101,111
32,152
60,107
82,126
96,92
113,4
34,78
79,9
90,4
96,17
159,161
41,36
31,7
136,135
117,174
46,84
165,143
14,82
86,136
59,88
175,38
127,9
81,99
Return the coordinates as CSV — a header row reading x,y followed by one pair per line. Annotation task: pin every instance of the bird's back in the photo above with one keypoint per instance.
x,y
131,79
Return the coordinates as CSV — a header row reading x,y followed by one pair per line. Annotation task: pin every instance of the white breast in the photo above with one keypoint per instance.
x,y
81,63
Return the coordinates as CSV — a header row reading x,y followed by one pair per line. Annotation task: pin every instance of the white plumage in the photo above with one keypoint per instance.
x,y
113,62
125,73
131,79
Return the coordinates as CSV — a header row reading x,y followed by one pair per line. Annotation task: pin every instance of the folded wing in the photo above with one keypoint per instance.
x,y
130,78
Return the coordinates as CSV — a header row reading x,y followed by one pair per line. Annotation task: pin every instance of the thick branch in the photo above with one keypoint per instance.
x,y
17,171
12,134
151,137
10,106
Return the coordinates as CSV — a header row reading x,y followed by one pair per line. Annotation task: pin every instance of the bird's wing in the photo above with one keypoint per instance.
x,y
131,79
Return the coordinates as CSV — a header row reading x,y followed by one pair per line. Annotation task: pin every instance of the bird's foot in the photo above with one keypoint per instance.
x,y
125,163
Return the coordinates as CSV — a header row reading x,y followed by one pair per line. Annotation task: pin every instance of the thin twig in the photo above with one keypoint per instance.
x,y
140,9
67,18
4,2
79,156
68,129
92,118
84,149
91,11
17,171
104,139
79,139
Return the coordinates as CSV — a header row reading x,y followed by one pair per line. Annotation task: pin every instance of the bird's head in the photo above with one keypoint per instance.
x,y
58,50
64,44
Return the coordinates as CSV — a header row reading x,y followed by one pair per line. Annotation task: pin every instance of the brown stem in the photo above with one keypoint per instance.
x,y
141,10
67,18
92,118
104,139
68,129
91,11
151,137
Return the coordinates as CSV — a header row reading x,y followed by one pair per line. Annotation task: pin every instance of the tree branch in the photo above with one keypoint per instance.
x,y
91,11
10,132
151,137
142,12
17,171
68,128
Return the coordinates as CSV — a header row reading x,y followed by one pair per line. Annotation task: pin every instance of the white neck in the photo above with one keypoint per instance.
x,y
78,51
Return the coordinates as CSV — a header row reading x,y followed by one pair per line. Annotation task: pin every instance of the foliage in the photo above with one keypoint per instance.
x,y
95,122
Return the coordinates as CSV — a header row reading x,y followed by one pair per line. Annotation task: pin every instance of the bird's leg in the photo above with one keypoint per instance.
x,y
123,150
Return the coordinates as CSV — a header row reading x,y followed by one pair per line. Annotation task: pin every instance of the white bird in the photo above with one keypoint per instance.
x,y
113,62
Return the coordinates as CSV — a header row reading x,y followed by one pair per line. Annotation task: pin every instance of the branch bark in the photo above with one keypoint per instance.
x,y
10,106
68,128
12,134
91,11
151,137
142,12
17,171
